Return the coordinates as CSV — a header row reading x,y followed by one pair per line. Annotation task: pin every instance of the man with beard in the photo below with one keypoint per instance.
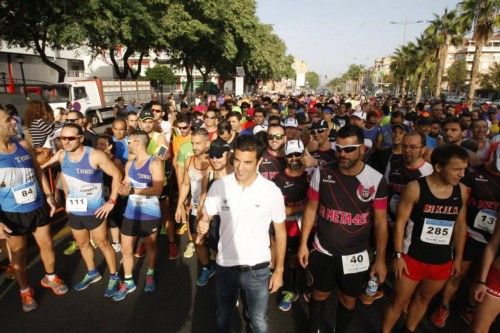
x,y
320,146
273,161
381,158
293,184
196,180
346,200
452,131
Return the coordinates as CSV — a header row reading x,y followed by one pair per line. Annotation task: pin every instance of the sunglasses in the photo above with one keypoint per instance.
x,y
294,155
183,128
275,136
71,120
69,138
207,117
215,155
346,149
318,131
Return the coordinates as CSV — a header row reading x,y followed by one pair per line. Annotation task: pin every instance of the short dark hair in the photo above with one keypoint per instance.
x,y
234,114
109,140
451,120
183,118
259,110
444,153
200,132
224,126
79,115
132,113
78,128
436,121
250,143
423,140
397,114
276,126
273,118
142,135
351,130
423,122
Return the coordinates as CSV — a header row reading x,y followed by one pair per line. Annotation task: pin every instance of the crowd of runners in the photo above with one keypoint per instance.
x,y
305,195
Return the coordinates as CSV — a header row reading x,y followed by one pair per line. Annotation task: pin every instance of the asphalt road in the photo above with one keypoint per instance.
x,y
177,305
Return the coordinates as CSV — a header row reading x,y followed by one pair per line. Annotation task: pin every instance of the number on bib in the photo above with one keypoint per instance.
x,y
486,220
437,231
76,204
25,195
355,263
137,200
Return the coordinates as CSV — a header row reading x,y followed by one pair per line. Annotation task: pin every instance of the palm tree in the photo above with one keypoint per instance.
x,y
404,64
480,17
426,44
446,32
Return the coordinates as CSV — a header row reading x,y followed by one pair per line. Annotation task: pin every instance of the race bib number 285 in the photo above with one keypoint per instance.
x,y
437,231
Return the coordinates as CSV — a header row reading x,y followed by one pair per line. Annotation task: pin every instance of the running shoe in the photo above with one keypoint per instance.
x,y
367,299
116,246
189,251
439,316
140,251
72,248
28,299
112,288
150,283
467,314
287,300
87,280
206,273
173,252
57,285
9,272
182,229
125,288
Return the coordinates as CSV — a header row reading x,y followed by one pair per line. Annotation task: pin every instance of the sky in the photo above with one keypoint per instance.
x,y
329,35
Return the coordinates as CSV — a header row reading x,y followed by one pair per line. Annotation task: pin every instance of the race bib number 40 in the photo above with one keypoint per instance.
x,y
76,204
356,263
437,231
486,220
24,194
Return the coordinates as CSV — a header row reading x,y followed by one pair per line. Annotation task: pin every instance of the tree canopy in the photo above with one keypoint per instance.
x,y
312,78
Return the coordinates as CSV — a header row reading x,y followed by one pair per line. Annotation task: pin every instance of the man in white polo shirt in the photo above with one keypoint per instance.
x,y
247,203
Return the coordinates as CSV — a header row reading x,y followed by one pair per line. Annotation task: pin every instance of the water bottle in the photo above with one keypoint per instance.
x,y
372,286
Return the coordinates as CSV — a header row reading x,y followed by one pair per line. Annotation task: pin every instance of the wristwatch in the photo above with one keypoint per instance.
x,y
397,255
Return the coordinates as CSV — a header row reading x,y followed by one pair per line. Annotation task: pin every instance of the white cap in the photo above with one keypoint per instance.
x,y
359,114
290,122
259,128
294,146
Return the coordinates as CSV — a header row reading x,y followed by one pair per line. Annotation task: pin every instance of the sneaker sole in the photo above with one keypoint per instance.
x,y
149,290
284,310
125,295
203,285
93,281
53,290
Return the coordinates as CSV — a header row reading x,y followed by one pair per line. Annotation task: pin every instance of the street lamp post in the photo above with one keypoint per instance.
x,y
405,24
4,81
20,60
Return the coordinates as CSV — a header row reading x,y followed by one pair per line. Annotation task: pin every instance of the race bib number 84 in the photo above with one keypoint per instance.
x,y
437,231
25,195
356,263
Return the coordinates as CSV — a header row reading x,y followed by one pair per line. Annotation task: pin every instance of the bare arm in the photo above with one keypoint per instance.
x,y
100,160
381,236
408,199
53,160
307,225
460,233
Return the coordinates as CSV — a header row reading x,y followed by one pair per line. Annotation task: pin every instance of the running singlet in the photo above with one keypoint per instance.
x,y
195,177
142,207
19,189
84,182
345,207
483,203
429,230
294,190
327,156
271,165
397,175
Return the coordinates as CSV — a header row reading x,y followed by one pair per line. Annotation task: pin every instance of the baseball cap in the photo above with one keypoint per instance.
x,y
319,125
146,114
359,114
218,147
197,123
327,110
401,126
290,122
259,128
294,146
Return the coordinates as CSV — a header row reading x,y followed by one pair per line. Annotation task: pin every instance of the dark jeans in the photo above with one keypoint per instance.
x,y
254,283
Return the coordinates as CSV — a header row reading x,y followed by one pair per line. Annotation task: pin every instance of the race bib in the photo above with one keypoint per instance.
x,y
486,220
393,204
24,194
437,231
76,204
356,263
137,201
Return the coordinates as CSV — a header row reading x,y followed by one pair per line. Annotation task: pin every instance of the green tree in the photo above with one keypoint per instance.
x,y
313,79
456,75
480,17
491,80
161,74
425,60
42,24
404,65
355,73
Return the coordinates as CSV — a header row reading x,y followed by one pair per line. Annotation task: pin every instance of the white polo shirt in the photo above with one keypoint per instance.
x,y
245,214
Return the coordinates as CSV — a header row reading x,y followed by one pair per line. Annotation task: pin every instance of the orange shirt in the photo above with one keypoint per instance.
x,y
177,143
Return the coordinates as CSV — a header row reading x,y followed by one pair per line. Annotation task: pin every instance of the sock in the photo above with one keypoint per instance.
x,y
93,272
344,318
129,280
150,271
114,276
316,315
25,290
50,276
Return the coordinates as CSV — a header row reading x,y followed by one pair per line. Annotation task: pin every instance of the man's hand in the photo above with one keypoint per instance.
x,y
4,231
457,268
308,161
52,204
124,189
380,270
104,211
399,268
276,281
479,292
180,214
303,255
202,230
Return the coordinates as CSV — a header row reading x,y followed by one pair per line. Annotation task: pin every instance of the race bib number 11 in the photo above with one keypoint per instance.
x,y
356,263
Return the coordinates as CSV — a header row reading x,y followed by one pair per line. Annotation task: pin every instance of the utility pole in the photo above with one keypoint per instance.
x,y
405,24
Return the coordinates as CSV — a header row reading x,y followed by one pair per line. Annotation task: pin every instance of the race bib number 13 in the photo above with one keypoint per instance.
x,y
356,263
437,231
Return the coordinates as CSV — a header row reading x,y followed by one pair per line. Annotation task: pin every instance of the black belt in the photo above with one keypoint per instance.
x,y
246,268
